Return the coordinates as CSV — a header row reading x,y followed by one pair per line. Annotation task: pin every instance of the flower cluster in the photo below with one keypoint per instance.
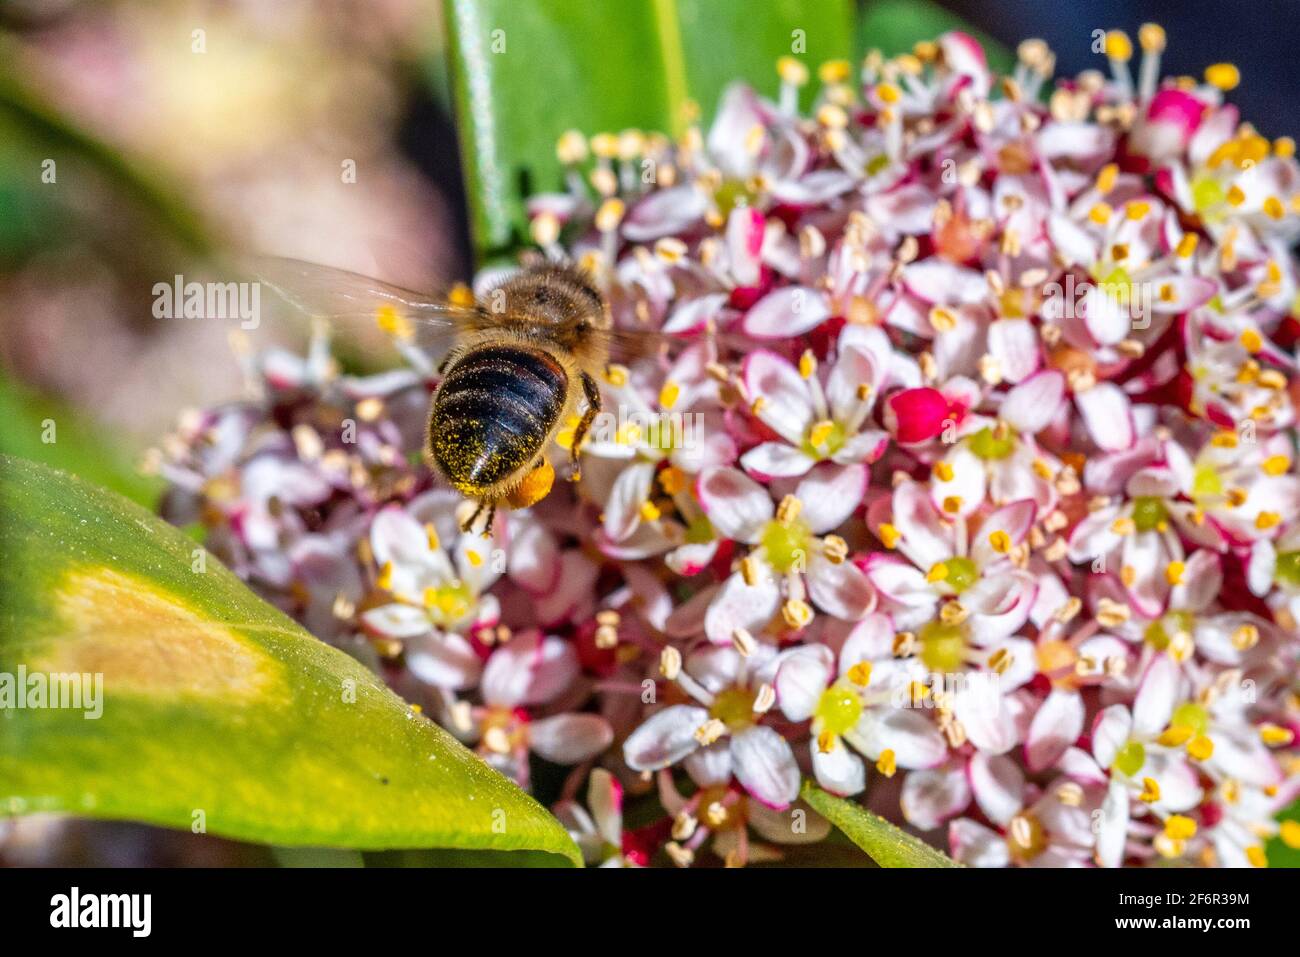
x,y
964,480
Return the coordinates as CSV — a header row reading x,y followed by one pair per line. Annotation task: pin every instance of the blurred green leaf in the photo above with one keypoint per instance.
x,y
31,132
213,702
524,73
78,446
895,26
889,846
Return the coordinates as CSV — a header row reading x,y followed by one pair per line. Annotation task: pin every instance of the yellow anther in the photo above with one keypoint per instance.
x,y
616,376
1245,637
1000,541
1284,147
826,742
938,572
887,764
943,471
649,511
797,613
393,323
1100,213
1119,46
1119,252
1128,575
1255,854
1137,209
1200,748
474,558
820,432
1175,736
749,570
952,503
1251,340
669,394
807,364
1236,195
571,148
1276,736
1151,37
835,71
889,535
1267,520
1150,791
832,117
610,215
1124,525
1225,76
1107,177
431,535
1187,245
888,93
672,480
1276,464
1174,572
385,579
860,674
942,319
1289,832
545,228
792,70
1274,208
1179,827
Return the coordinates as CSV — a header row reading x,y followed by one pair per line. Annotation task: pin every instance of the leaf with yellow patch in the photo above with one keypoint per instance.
x,y
186,701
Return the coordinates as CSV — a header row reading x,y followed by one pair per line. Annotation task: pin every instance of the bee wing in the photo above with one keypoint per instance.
x,y
339,296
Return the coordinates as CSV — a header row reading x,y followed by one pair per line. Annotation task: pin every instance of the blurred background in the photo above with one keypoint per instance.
x,y
139,136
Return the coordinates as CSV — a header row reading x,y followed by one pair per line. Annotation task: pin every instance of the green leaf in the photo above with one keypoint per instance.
x,y
35,427
524,73
215,706
888,845
31,132
895,26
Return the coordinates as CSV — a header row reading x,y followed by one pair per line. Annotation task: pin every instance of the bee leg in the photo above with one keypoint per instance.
x,y
592,393
466,525
487,526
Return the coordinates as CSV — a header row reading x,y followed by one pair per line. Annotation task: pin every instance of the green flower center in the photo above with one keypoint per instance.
x,y
734,707
823,439
1206,482
943,646
838,709
1288,568
1207,193
1117,284
1160,632
787,544
1130,759
876,164
733,193
1149,513
962,573
1191,715
700,531
989,447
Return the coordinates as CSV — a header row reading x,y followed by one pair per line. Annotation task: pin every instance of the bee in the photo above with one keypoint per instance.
x,y
522,360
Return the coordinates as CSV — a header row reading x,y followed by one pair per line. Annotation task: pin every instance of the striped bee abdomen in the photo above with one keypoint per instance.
x,y
493,411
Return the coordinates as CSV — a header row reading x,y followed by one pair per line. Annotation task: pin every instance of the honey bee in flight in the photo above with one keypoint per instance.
x,y
519,363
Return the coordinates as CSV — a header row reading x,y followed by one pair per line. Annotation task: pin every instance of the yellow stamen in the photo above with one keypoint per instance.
x,y
1150,791
887,763
1180,827
1174,572
1119,46
1225,76
938,572
860,674
1200,748
1000,541
889,535
943,471
669,394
